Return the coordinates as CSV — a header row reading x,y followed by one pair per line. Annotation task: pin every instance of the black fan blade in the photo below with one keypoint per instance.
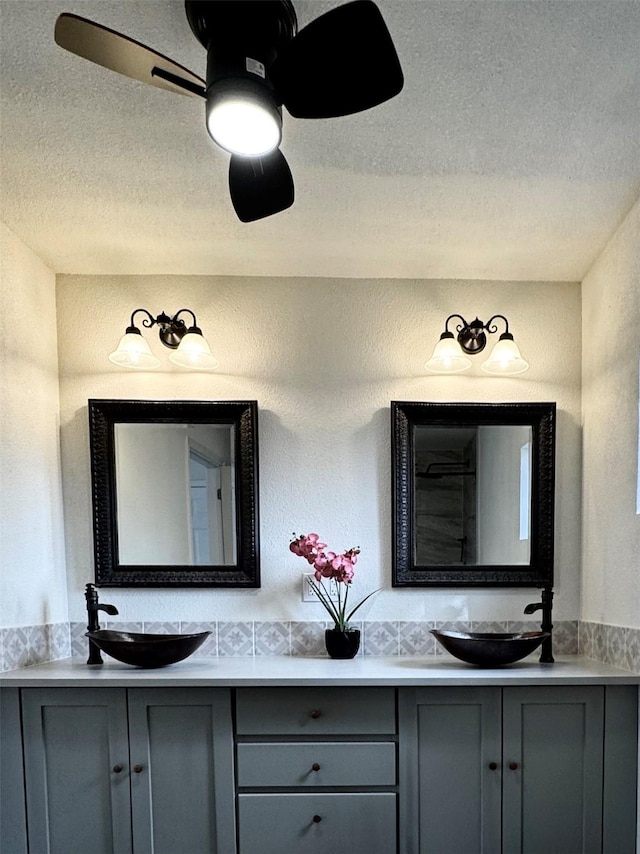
x,y
341,63
260,186
120,53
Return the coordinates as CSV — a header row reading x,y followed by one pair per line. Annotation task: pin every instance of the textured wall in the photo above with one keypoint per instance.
x,y
32,561
611,540
323,358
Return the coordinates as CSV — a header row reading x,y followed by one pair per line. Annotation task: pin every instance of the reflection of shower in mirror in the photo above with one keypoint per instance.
x,y
472,495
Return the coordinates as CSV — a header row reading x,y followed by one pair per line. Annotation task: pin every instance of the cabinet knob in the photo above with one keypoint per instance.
x,y
315,767
317,818
493,766
513,766
117,769
315,713
137,768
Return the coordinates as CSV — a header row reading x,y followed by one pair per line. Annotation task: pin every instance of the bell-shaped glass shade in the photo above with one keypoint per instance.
x,y
133,352
448,358
505,359
194,352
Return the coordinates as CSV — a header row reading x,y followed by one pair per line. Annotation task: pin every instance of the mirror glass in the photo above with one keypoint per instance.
x,y
181,511
473,493
175,492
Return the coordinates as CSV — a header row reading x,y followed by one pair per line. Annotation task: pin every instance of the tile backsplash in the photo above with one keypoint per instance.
x,y
616,645
27,645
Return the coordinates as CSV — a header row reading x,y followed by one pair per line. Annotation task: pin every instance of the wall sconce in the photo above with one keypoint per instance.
x,y
450,353
190,347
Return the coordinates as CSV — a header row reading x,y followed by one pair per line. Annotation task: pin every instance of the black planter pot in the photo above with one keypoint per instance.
x,y
342,644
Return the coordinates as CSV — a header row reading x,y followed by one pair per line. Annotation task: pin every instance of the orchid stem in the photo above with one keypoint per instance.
x,y
344,607
325,600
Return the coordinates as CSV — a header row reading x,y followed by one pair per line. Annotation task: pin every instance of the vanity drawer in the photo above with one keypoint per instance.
x,y
315,764
315,711
317,823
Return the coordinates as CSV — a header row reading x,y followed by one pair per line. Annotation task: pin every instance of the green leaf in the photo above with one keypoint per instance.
x,y
362,603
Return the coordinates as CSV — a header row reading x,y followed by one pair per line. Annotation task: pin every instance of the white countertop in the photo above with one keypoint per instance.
x,y
288,671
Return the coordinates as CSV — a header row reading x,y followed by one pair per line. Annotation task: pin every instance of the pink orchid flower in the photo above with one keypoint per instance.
x,y
330,565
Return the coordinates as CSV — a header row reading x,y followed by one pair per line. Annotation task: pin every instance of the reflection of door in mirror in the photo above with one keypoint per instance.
x,y
472,495
211,504
174,495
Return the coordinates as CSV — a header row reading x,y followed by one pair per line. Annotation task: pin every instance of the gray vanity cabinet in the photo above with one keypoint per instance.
x,y
535,769
523,769
139,771
316,771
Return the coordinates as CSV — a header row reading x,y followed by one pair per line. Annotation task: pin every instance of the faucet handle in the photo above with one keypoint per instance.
x,y
91,594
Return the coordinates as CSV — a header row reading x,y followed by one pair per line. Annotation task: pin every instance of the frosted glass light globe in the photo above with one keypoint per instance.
x,y
194,352
505,359
134,352
447,358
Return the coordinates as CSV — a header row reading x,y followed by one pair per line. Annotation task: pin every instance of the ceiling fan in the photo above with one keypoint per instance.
x,y
341,63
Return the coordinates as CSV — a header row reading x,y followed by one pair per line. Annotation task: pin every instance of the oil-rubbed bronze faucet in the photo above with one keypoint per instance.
x,y
93,606
546,651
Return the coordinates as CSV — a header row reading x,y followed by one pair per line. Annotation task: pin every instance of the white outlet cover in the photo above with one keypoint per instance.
x,y
309,594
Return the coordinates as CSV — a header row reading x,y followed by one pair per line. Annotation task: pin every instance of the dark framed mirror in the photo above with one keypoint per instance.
x,y
473,494
175,493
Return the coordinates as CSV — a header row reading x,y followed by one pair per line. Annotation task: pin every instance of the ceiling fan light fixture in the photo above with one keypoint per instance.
x,y
339,64
243,118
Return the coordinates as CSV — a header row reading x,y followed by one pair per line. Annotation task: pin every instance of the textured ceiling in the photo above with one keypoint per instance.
x,y
513,151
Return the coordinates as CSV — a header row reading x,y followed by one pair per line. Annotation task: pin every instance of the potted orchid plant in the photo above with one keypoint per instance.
x,y
342,641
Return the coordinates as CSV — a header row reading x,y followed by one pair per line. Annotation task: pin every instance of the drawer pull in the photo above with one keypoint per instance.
x,y
493,766
315,767
137,768
315,714
117,769
317,819
513,766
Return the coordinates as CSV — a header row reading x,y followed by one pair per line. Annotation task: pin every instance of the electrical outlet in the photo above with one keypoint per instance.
x,y
309,594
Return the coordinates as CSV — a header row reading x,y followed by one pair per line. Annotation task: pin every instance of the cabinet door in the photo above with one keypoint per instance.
x,y
13,816
347,823
620,813
552,780
182,771
450,770
76,770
